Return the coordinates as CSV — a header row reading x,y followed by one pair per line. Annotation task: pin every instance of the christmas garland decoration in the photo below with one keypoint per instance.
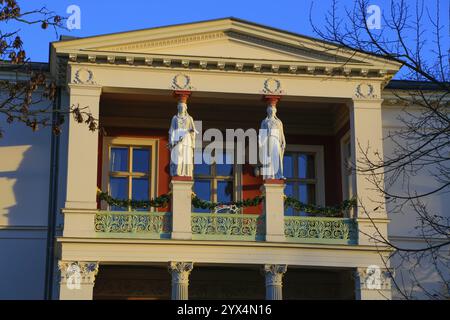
x,y
289,202
334,211
205,204
159,202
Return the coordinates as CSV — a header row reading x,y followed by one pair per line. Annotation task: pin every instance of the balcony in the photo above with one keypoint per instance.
x,y
208,226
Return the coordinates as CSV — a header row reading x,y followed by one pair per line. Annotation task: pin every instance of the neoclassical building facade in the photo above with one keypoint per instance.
x,y
333,102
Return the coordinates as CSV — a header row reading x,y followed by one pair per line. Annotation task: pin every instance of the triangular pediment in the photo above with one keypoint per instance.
x,y
227,38
223,44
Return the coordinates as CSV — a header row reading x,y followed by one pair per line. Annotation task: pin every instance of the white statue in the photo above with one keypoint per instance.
x,y
182,143
272,144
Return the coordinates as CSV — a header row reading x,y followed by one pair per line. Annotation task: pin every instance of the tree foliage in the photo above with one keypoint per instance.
x,y
28,95
412,34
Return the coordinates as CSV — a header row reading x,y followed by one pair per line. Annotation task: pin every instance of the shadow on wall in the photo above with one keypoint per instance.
x,y
24,178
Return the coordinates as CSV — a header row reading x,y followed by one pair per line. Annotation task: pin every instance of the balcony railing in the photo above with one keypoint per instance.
x,y
227,226
321,230
208,226
152,225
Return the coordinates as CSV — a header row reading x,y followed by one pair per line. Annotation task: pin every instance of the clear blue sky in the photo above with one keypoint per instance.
x,y
107,16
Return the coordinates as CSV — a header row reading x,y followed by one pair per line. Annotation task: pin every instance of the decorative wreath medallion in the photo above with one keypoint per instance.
x,y
364,90
84,76
272,85
181,82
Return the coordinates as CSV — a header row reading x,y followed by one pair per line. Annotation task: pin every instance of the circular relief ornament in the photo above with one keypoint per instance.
x,y
272,85
181,82
84,76
364,90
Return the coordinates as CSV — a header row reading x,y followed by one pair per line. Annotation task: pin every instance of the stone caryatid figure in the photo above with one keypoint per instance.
x,y
182,142
272,144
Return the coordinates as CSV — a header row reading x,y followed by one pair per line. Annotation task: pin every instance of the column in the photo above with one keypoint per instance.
x,y
274,280
180,279
82,153
273,209
82,161
367,141
77,280
372,283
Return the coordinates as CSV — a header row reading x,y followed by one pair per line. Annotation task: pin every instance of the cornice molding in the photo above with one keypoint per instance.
x,y
164,42
307,53
321,69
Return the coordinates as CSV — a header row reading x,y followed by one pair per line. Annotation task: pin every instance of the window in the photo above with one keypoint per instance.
x,y
216,182
346,167
129,169
303,169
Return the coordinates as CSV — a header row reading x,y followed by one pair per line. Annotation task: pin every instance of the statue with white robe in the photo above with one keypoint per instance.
x,y
272,144
182,143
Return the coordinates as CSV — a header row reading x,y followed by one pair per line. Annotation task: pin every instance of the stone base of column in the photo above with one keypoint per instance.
x,y
275,238
181,207
273,210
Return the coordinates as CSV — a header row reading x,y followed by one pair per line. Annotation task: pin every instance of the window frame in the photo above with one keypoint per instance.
x,y
236,178
319,167
129,142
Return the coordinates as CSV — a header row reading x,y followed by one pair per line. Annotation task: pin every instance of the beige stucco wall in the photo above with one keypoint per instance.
x,y
402,231
24,193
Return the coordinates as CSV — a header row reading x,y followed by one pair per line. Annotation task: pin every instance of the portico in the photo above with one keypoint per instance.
x,y
127,82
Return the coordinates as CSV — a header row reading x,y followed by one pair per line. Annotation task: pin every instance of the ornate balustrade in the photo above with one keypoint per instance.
x,y
320,230
152,225
215,226
227,226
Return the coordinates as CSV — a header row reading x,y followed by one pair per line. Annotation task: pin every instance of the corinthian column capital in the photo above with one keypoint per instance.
x,y
274,274
180,271
82,271
373,278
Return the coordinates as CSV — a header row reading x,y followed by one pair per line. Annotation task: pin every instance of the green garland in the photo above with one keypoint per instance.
x,y
334,211
159,202
204,204
289,202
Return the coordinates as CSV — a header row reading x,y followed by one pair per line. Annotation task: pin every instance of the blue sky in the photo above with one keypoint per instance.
x,y
107,16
